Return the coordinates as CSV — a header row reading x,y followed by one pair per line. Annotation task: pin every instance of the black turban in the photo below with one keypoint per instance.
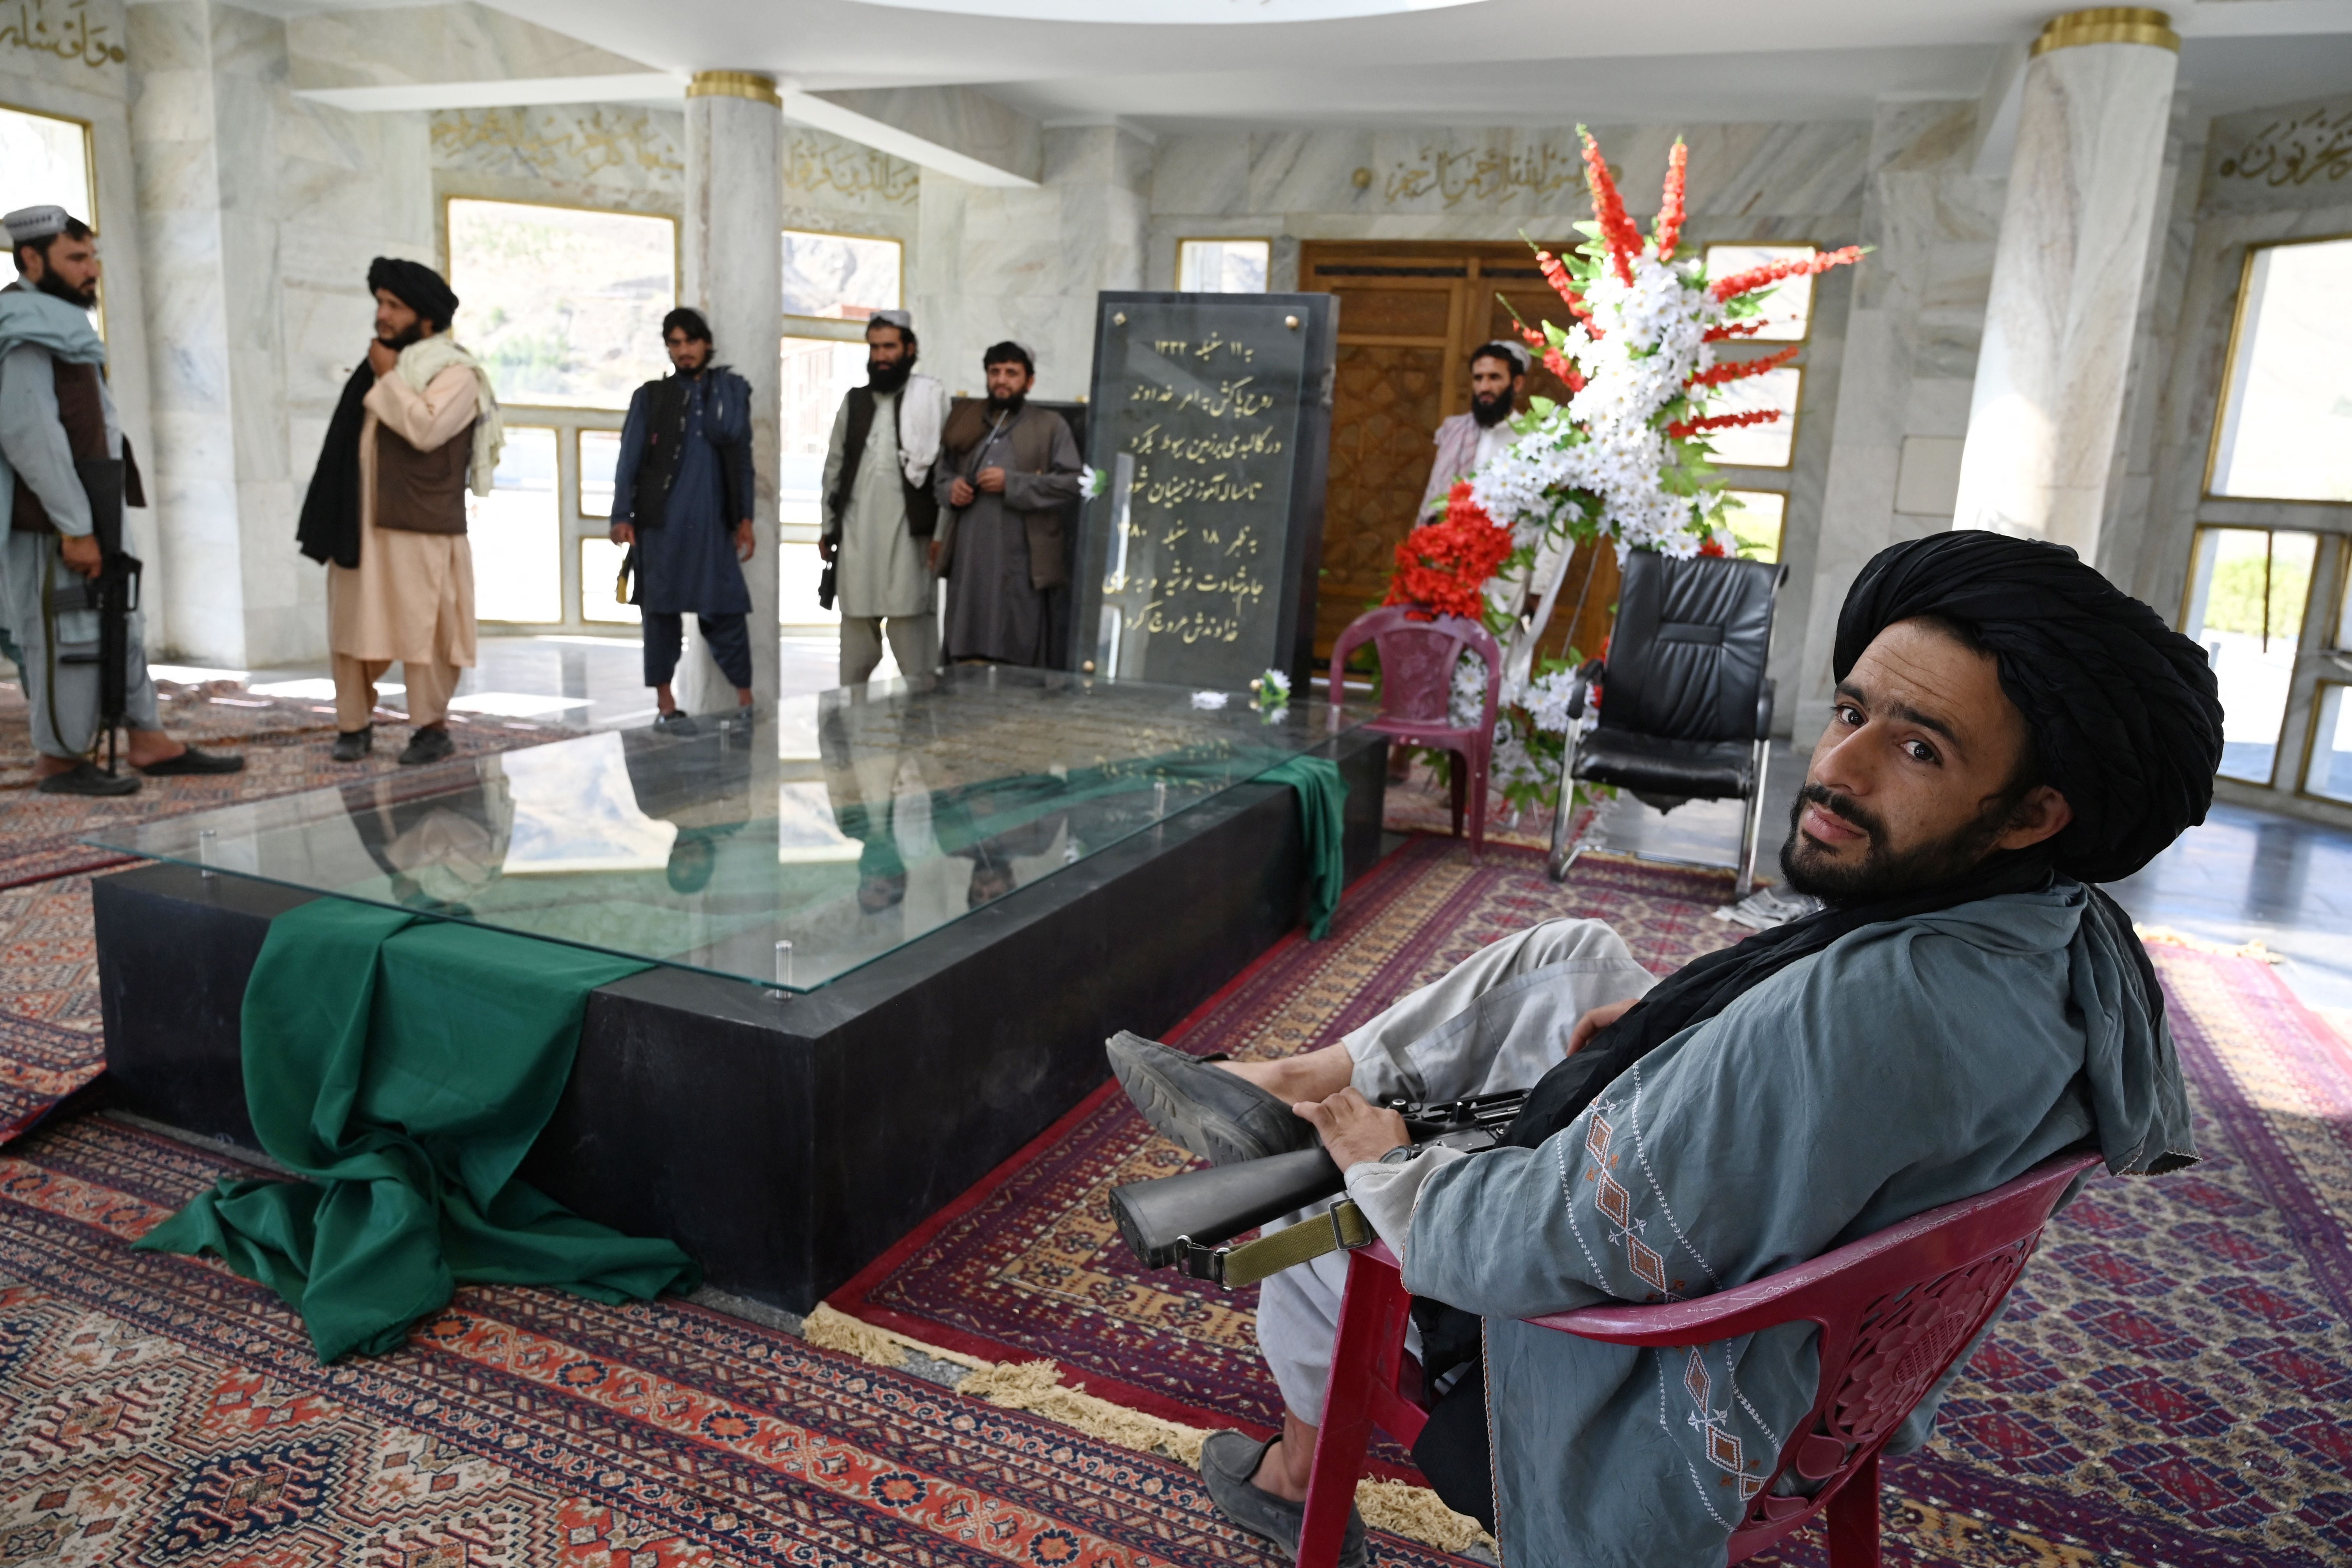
x,y
2123,710
416,286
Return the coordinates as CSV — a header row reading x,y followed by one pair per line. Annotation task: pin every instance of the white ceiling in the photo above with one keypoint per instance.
x,y
1490,61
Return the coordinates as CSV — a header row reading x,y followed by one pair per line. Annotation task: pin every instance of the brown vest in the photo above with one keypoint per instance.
x,y
81,409
1031,440
421,492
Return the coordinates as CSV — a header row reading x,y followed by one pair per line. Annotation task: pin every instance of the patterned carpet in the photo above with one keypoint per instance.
x,y
2167,1386
49,1044
157,1410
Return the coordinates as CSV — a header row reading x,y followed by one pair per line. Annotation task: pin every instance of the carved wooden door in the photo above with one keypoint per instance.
x,y
1410,313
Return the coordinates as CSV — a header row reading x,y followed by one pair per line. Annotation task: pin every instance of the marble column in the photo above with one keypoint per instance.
x,y
2077,228
732,253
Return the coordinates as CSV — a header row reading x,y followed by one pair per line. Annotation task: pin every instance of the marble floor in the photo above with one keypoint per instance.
x,y
2244,875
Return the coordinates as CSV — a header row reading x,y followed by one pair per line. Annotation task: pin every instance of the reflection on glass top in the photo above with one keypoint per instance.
x,y
887,812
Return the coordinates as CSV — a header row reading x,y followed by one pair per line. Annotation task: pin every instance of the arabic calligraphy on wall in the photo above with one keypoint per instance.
x,y
2316,146
815,160
1479,174
594,148
66,31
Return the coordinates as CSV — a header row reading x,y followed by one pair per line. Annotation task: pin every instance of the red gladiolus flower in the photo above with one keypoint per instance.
x,y
1442,568
1722,331
1772,272
1669,230
1683,429
1624,240
1742,368
1560,365
1712,546
1556,274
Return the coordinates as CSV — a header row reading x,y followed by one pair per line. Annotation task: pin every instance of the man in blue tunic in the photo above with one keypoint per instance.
x,y
2009,730
682,501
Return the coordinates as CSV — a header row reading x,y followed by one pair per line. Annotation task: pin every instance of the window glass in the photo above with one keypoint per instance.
x,y
817,375
2286,417
600,454
1756,518
2246,596
2330,774
517,531
1788,309
600,569
841,276
1222,266
563,306
44,161
1757,446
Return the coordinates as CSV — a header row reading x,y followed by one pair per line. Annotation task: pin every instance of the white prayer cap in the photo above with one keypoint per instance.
x,y
902,319
26,224
1516,353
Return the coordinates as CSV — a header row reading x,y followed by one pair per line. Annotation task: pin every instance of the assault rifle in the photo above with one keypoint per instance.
x,y
113,593
1186,1219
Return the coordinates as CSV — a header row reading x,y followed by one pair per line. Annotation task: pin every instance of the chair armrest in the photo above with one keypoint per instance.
x,y
1764,710
1591,670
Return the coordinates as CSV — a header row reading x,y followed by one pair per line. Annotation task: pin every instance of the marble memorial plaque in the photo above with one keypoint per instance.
x,y
1210,422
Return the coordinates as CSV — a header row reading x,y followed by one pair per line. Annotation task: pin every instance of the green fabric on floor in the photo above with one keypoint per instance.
x,y
404,1068
1322,795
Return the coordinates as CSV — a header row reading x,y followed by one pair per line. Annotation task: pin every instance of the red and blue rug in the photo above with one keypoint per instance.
x,y
2169,1385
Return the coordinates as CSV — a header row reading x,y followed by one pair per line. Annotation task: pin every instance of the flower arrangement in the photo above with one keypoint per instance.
x,y
1623,460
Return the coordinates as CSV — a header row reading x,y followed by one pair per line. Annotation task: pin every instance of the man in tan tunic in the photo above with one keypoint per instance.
x,y
418,426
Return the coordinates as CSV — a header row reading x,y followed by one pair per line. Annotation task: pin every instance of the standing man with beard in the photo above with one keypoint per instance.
x,y
1009,471
682,501
878,508
60,438
1499,373
417,427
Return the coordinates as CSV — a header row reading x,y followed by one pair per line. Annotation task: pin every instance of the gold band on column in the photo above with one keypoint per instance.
x,y
2109,25
749,84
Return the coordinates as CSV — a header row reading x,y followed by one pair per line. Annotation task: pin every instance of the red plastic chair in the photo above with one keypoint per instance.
x,y
1896,1309
1417,660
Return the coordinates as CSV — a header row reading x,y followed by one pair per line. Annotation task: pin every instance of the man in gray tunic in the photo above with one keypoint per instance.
x,y
1006,472
2008,731
57,423
880,512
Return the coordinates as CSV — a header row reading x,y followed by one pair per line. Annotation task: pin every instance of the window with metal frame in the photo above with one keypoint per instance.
x,y
2284,432
2248,588
1223,266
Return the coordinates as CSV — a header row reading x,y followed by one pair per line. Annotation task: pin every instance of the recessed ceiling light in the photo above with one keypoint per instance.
x,y
1175,12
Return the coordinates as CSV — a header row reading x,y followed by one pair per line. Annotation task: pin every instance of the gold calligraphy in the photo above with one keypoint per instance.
x,y
2296,151
557,145
26,26
1483,173
816,162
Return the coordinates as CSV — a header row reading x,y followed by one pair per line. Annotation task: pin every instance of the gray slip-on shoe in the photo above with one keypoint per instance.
x,y
1199,1106
1228,1460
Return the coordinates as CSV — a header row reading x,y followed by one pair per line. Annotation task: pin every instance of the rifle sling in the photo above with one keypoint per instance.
x,y
1344,1228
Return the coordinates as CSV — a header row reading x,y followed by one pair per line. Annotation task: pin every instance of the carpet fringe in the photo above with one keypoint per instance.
x,y
1035,1387
2165,936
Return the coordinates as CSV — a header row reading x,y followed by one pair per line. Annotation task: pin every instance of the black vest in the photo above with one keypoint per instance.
x,y
922,507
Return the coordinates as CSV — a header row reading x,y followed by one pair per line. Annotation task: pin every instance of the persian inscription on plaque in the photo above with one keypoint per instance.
x,y
1196,426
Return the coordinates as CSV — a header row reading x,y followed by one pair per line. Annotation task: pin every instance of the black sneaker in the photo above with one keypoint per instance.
x,y
1200,1108
430,744
192,763
1228,1460
86,778
351,745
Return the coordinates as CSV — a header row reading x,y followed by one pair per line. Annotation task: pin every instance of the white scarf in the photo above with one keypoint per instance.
x,y
923,415
422,360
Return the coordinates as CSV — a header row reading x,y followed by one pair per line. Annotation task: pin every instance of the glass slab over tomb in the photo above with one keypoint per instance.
x,y
834,829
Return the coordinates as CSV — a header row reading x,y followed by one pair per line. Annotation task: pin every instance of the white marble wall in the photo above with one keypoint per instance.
x,y
2077,225
993,263
71,61
261,214
1908,367
575,154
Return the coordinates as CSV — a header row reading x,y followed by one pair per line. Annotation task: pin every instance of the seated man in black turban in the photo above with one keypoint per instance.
x,y
2008,731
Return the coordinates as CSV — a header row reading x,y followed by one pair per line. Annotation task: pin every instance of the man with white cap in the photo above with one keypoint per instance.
x,y
64,466
1007,471
1499,373
879,508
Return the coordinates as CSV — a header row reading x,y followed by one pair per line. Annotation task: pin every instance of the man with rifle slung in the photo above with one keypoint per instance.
x,y
2009,730
68,588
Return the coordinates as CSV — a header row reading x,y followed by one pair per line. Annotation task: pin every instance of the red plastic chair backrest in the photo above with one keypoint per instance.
x,y
1896,1309
1417,660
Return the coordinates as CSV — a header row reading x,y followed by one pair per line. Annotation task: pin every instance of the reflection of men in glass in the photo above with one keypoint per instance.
x,y
416,428
1498,372
682,496
878,509
1009,471
59,429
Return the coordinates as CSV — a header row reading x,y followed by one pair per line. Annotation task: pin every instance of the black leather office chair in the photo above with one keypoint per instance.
x,y
1684,703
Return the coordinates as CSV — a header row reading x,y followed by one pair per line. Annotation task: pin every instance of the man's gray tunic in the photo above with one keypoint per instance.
x,y
1908,1065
